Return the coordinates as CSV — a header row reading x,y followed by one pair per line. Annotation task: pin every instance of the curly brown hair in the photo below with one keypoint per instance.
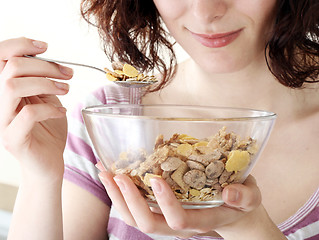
x,y
132,31
293,55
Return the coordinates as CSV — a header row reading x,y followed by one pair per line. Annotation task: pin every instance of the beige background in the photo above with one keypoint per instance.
x,y
69,37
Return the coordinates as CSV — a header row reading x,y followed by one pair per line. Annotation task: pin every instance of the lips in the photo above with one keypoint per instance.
x,y
217,40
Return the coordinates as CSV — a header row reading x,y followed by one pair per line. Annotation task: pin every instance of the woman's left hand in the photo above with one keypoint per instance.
x,y
241,201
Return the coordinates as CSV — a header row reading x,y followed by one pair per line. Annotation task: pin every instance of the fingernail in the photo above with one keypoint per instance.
x,y
120,184
39,44
96,165
103,179
62,86
156,186
99,166
232,195
66,71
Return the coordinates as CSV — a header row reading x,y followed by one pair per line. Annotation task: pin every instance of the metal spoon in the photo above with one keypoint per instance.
x,y
129,84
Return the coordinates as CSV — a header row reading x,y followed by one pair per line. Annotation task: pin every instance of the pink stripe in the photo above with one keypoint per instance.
x,y
310,218
123,231
104,98
80,147
85,181
100,95
301,213
112,93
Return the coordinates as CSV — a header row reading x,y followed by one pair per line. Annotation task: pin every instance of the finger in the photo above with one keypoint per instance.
x,y
24,67
21,46
116,196
193,220
178,218
26,119
245,197
171,208
146,220
100,166
143,216
32,86
18,88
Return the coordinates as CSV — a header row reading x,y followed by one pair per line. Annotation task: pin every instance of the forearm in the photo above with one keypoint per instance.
x,y
255,225
38,212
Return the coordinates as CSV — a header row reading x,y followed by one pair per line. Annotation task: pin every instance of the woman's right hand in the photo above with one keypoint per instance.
x,y
33,124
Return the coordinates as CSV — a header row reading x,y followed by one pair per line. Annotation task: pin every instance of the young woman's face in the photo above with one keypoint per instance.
x,y
220,35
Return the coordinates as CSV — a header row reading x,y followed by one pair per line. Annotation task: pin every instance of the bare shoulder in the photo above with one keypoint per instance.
x,y
84,215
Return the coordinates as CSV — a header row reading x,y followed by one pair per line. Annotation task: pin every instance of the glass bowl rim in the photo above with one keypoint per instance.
x,y
262,114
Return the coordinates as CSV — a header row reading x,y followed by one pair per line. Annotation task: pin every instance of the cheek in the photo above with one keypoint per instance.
x,y
260,12
170,9
259,15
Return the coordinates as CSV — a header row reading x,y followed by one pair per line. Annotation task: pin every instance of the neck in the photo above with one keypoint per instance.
x,y
249,87
253,87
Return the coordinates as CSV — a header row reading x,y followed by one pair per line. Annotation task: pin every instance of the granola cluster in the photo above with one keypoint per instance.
x,y
195,169
126,72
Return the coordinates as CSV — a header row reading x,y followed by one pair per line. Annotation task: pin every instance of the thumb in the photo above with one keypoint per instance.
x,y
245,197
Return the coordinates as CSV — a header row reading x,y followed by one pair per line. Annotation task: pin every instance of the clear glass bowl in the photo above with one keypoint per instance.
x,y
198,150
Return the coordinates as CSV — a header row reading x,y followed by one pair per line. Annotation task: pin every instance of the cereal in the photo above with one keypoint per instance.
x,y
224,177
214,169
195,165
129,71
237,160
195,169
171,164
126,72
147,178
194,192
185,149
195,178
178,175
111,77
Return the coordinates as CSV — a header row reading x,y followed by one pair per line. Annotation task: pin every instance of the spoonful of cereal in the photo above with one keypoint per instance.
x,y
123,74
128,76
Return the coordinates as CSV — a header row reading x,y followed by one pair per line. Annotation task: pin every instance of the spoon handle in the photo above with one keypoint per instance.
x,y
64,62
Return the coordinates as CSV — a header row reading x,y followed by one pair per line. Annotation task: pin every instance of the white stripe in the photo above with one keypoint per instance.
x,y
203,238
81,163
159,237
91,100
305,232
112,237
78,129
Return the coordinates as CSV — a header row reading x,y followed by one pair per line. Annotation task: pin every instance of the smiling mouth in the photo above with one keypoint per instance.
x,y
217,40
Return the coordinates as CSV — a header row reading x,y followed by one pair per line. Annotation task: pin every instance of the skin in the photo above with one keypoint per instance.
x,y
212,17
35,134
33,129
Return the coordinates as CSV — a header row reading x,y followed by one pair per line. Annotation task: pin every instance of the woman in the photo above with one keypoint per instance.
x,y
260,54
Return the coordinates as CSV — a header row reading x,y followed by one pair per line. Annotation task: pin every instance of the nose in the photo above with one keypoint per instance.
x,y
209,10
